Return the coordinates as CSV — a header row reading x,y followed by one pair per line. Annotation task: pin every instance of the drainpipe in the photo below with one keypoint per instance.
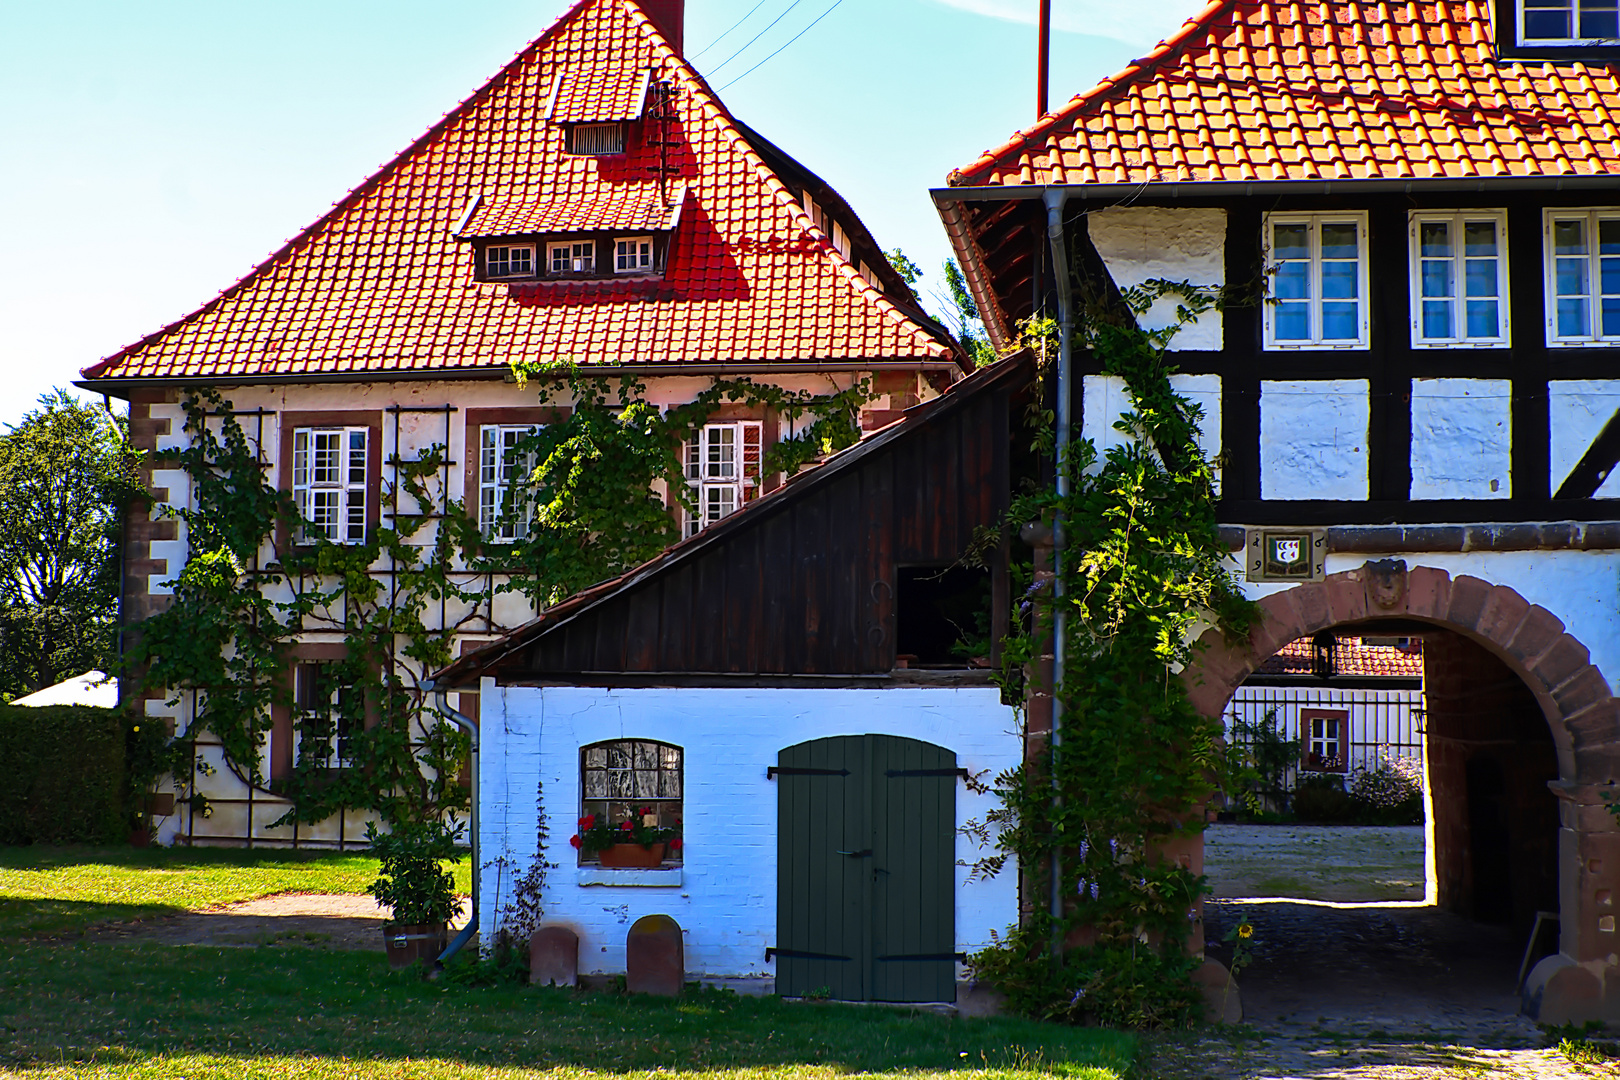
x,y
441,697
1054,198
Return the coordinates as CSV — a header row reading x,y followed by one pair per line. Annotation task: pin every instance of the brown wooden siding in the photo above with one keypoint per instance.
x,y
808,586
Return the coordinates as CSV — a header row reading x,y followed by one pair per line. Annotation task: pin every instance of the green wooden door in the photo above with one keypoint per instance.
x,y
866,902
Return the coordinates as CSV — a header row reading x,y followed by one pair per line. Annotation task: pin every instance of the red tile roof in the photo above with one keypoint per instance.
x,y
379,285
1254,90
1352,657
589,95
634,208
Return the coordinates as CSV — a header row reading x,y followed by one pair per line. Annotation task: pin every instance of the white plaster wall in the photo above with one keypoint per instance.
x,y
1140,243
1462,439
726,900
1313,439
1580,587
1103,399
1577,411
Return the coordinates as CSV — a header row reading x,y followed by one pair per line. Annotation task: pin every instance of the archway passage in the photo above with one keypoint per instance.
x,y
1506,665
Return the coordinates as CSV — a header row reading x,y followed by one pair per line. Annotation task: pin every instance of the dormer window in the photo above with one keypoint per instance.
x,y
1569,22
573,258
596,139
633,255
509,261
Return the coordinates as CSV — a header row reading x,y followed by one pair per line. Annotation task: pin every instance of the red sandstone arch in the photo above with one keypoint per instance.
x,y
1583,982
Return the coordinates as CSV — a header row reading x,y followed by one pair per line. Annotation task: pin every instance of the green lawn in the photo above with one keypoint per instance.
x,y
45,890
119,1010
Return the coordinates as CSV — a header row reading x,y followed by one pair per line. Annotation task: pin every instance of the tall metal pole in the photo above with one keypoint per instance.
x,y
1054,198
1043,57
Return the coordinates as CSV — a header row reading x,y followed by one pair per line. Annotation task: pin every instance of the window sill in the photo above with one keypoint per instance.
x,y
663,876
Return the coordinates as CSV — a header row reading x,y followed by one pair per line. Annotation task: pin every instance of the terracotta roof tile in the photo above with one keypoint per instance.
x,y
1327,90
635,207
1353,657
592,95
379,284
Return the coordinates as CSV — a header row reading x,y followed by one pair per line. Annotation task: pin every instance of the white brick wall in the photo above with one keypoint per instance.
x,y
726,901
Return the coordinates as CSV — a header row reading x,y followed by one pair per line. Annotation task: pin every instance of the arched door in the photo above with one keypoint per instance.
x,y
866,899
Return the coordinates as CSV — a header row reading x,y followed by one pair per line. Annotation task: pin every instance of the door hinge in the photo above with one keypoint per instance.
x,y
857,854
799,954
773,771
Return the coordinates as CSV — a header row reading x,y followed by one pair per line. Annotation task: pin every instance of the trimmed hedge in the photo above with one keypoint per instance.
x,y
62,775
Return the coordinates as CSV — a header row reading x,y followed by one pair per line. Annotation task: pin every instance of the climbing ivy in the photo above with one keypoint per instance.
x,y
1143,571
254,584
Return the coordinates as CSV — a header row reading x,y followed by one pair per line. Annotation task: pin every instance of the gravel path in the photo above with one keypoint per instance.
x,y
1317,862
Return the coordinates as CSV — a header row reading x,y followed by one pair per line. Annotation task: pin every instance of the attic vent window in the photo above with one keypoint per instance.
x,y
596,139
1570,22
502,262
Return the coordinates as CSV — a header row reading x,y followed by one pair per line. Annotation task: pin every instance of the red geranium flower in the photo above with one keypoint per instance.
x,y
574,841
675,844
626,825
587,823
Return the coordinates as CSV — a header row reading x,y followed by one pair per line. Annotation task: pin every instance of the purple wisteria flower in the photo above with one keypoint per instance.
x,y
1095,890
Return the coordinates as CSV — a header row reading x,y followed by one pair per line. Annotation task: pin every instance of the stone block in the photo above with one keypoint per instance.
x,y
655,957
1347,599
1584,689
1223,1001
1559,663
1468,598
1536,634
554,957
1279,624
1311,602
1560,991
1504,611
1428,592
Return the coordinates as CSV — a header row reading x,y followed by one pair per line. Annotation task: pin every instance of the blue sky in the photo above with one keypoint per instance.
x,y
151,154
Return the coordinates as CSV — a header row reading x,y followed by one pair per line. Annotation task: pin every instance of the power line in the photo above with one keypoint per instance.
x,y
756,37
727,34
785,44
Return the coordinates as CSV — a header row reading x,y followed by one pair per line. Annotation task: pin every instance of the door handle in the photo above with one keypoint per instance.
x,y
857,854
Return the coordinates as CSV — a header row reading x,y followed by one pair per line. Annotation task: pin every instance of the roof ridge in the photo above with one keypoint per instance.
x,y
376,175
1164,50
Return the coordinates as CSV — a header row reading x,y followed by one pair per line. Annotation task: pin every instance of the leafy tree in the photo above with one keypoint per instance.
x,y
64,472
909,271
969,327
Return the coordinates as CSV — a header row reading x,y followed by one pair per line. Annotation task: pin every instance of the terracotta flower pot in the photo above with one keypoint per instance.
x,y
410,944
631,856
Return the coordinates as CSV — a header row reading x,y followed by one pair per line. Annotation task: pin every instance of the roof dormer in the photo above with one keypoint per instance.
x,y
621,233
1558,30
595,109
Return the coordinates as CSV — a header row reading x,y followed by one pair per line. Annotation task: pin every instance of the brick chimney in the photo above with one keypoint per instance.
x,y
670,18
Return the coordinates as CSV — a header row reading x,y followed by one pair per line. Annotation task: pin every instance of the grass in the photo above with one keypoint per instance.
x,y
46,890
119,1010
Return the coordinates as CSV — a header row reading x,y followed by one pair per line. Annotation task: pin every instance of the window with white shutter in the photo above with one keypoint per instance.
x,y
329,483
722,470
503,476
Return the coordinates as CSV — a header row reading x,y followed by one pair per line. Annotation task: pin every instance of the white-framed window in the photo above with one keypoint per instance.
x,y
1318,263
516,260
596,139
632,254
503,474
1583,276
1324,732
573,258
625,777
329,482
722,469
325,706
1459,278
1568,22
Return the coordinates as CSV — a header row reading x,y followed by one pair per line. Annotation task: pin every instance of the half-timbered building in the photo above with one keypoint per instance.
x,y
593,204
1413,391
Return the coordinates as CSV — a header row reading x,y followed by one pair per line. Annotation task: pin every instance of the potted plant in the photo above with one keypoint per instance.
x,y
636,842
414,884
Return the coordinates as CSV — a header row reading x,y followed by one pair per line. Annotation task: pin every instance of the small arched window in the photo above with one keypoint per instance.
x,y
620,779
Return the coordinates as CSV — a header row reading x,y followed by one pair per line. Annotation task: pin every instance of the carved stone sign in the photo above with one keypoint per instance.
x,y
1285,555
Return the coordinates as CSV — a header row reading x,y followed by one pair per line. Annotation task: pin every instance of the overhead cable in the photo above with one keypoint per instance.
x,y
785,44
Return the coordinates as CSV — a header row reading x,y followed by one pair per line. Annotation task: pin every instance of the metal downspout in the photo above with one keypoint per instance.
x,y
1055,197
441,699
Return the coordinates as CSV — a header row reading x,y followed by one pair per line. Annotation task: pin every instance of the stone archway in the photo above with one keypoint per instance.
x,y
1582,981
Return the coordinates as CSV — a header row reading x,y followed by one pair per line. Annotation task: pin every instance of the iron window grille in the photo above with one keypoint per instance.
x,y
596,139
